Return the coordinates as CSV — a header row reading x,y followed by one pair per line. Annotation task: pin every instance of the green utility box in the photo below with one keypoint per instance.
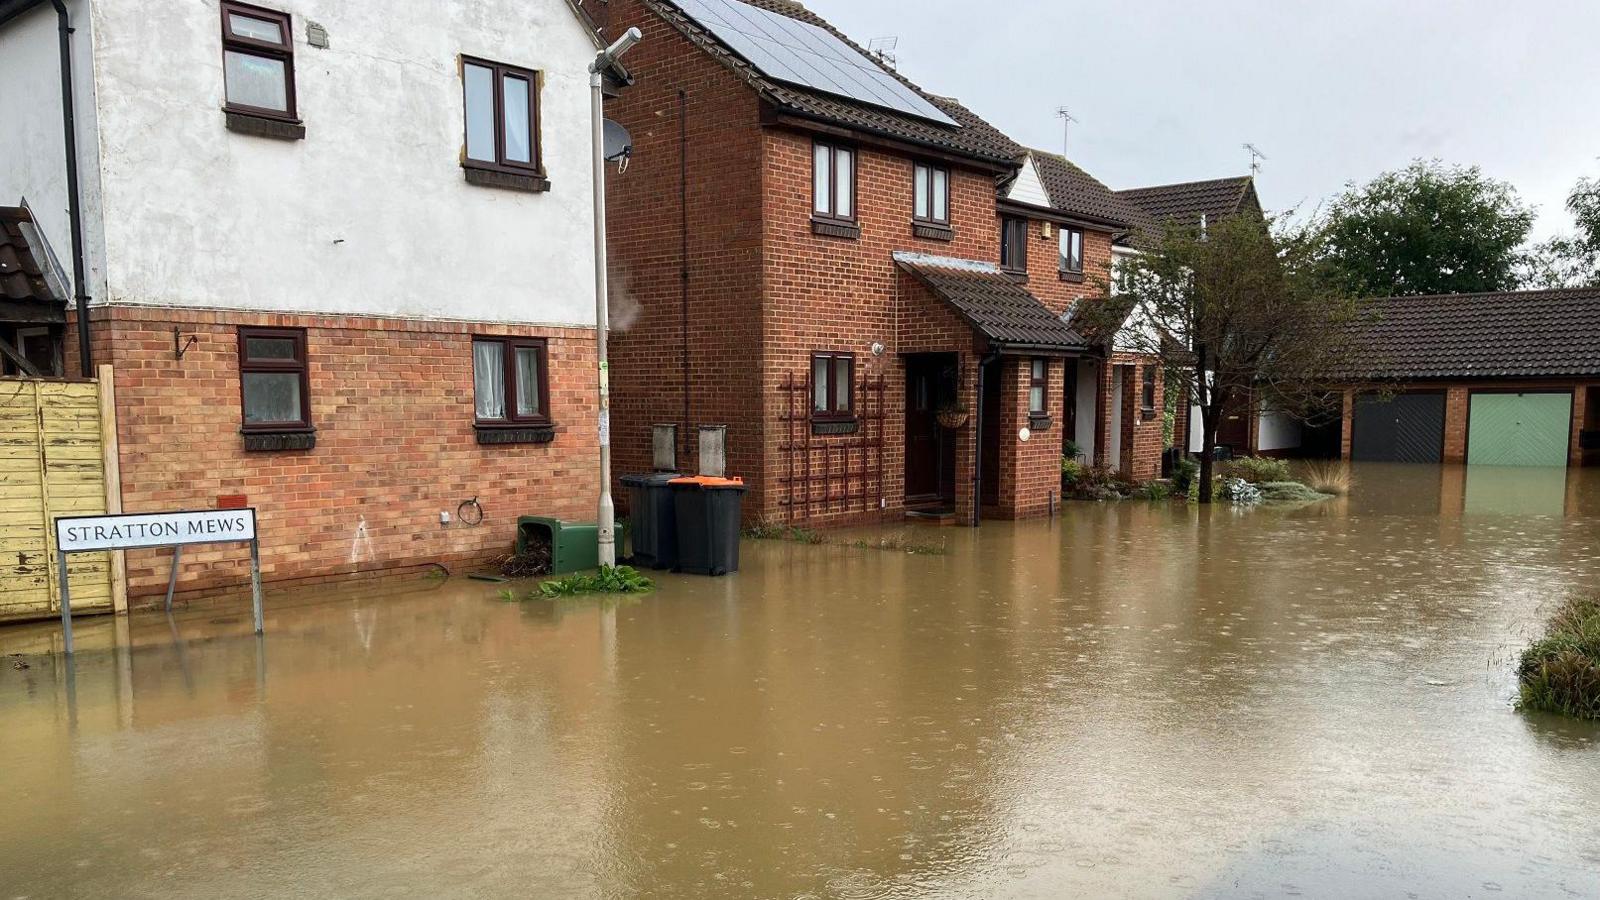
x,y
574,546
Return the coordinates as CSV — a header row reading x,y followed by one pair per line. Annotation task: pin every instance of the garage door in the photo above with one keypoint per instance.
x,y
1519,429
1405,428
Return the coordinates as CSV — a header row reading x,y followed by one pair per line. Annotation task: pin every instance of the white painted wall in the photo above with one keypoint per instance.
x,y
1279,430
1028,187
32,153
370,214
1088,386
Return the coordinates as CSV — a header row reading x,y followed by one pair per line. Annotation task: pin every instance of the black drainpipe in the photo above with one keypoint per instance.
x,y
74,214
977,430
683,258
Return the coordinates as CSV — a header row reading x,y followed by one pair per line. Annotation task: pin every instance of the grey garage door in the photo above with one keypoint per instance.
x,y
1405,428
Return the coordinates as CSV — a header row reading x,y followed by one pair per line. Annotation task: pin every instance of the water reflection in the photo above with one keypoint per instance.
x,y
1135,699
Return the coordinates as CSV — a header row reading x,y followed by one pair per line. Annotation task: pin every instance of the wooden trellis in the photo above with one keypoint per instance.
x,y
830,474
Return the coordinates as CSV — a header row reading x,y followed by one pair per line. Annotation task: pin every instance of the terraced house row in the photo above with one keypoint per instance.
x,y
339,258
872,286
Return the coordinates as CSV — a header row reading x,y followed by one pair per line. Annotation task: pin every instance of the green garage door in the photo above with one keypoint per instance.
x,y
1519,429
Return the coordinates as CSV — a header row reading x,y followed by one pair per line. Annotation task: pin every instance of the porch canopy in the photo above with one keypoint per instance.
x,y
995,304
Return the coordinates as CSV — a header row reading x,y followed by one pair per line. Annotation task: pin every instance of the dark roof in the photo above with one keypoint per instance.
x,y
21,275
1185,203
1517,334
1075,192
993,302
976,139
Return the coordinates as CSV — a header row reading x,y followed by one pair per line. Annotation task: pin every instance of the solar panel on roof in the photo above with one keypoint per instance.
x,y
796,52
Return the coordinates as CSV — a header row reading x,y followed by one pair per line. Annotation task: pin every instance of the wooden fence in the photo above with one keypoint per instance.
x,y
58,457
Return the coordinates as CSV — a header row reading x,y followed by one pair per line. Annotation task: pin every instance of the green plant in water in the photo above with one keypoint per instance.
x,y
1256,469
1560,673
774,531
1153,490
608,580
508,595
1329,478
1072,471
901,545
1184,474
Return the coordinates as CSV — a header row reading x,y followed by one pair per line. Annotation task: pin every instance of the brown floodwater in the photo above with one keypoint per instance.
x,y
1136,699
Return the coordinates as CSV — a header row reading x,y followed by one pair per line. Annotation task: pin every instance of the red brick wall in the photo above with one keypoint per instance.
x,y
646,243
1044,276
392,402
843,294
1031,470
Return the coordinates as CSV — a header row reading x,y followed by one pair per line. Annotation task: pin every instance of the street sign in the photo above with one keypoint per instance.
x,y
136,531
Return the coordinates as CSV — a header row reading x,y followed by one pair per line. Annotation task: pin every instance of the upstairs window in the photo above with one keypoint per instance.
x,y
1071,251
274,382
510,381
931,200
1038,377
833,182
1014,244
258,61
502,116
832,385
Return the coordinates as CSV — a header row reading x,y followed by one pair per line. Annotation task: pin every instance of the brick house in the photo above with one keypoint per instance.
x,y
340,259
1195,204
831,279
1498,379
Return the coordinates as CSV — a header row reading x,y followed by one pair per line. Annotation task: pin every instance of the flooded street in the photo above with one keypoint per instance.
x,y
1142,700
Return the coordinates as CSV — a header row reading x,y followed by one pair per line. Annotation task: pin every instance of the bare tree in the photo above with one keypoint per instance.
x,y
1242,305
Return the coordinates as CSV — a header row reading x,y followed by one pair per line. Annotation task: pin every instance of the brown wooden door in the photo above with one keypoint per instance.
x,y
922,431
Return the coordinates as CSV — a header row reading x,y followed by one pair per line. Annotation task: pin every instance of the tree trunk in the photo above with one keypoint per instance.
x,y
1208,451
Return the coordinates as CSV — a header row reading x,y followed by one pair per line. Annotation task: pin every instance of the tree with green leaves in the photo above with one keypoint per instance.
x,y
1571,260
1427,229
1247,302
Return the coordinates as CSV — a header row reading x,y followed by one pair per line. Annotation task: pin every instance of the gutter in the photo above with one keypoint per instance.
x,y
9,10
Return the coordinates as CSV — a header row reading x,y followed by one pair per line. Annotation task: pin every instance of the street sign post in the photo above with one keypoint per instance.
x,y
137,531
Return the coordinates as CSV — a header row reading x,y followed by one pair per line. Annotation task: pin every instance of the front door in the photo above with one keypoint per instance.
x,y
930,448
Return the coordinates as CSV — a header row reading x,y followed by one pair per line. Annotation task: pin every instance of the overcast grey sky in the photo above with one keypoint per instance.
x,y
1168,90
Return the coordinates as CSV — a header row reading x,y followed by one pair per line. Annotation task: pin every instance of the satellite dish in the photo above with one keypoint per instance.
x,y
618,143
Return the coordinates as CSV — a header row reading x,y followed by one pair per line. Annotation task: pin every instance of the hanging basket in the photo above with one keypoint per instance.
x,y
952,418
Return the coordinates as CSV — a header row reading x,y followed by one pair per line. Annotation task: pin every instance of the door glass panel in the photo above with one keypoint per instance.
x,y
271,397
519,141
256,81
480,113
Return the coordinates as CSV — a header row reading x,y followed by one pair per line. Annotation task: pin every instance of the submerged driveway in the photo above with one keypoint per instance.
x,y
1135,700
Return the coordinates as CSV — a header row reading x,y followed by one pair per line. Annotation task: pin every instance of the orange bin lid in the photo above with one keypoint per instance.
x,y
709,481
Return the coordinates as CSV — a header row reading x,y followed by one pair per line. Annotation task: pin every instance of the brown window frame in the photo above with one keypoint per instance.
x,y
1064,261
500,72
832,215
508,375
1020,225
300,365
930,218
1039,380
252,47
1147,390
833,412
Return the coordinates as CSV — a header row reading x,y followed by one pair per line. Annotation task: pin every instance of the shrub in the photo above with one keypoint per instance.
x,y
1072,471
1239,492
609,580
1070,451
1185,473
1560,673
1154,490
1329,478
1256,469
1289,492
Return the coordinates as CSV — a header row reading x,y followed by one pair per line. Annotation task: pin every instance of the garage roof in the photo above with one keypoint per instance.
x,y
1514,334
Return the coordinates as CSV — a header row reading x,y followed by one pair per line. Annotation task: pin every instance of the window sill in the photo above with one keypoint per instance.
x,y
1072,277
279,441
1037,422
527,182
499,435
263,126
831,228
835,426
1020,276
933,231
